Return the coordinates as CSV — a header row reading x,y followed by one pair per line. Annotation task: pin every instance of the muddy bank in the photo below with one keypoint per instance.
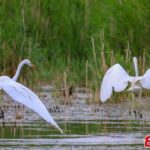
x,y
78,110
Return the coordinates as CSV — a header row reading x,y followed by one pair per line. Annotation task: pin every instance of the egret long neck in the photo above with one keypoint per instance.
x,y
135,66
18,71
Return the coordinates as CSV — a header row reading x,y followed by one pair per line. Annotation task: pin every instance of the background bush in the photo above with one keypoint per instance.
x,y
56,35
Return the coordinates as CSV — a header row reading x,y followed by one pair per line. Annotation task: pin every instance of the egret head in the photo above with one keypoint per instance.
x,y
29,63
21,64
135,84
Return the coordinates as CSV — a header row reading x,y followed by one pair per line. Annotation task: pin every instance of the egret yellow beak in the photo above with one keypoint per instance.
x,y
34,67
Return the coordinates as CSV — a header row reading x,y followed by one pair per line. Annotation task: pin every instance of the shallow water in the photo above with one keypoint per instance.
x,y
114,134
109,127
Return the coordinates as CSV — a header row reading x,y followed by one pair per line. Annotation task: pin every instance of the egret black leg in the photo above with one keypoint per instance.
x,y
1,114
135,113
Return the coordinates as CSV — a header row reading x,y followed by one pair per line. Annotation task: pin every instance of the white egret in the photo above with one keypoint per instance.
x,y
25,96
117,79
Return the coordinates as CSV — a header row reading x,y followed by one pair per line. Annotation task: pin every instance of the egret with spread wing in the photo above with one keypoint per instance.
x,y
25,96
117,79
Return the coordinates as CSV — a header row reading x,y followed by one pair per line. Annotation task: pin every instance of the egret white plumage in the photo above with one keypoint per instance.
x,y
117,79
25,96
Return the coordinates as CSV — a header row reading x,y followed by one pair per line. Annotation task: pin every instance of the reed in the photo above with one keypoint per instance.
x,y
103,58
112,59
86,76
143,62
56,36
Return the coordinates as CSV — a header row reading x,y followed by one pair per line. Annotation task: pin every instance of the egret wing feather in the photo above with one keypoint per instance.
x,y
106,89
25,96
119,78
145,80
115,78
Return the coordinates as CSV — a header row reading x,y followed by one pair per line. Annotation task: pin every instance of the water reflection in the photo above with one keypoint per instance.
x,y
101,133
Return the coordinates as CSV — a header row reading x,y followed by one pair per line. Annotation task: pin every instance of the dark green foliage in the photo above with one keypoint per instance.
x,y
56,34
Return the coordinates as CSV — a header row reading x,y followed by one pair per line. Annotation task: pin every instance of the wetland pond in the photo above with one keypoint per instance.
x,y
85,126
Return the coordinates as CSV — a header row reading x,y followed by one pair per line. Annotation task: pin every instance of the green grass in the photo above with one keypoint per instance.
x,y
56,36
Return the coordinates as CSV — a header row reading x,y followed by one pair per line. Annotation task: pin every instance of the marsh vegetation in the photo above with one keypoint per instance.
x,y
73,42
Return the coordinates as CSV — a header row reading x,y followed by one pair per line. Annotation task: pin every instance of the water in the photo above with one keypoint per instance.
x,y
100,134
89,127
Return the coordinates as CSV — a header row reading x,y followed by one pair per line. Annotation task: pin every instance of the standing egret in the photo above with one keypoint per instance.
x,y
117,79
25,96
